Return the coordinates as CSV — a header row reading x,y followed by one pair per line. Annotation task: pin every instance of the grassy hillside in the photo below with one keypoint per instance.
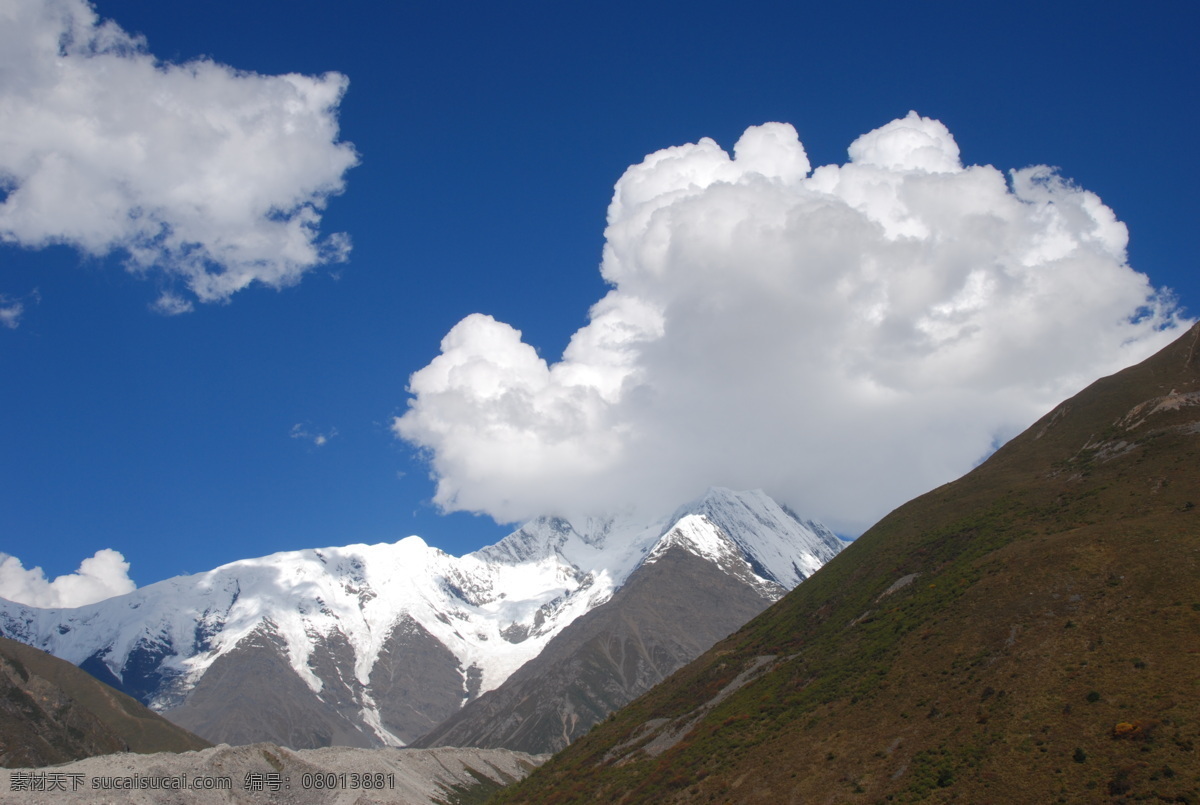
x,y
1028,633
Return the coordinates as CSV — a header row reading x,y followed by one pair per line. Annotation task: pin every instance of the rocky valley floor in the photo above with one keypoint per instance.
x,y
265,773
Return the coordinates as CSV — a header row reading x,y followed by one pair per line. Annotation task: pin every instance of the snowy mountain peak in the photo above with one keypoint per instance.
x,y
548,536
780,546
698,535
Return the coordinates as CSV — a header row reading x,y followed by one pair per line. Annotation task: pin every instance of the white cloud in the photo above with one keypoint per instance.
x,y
844,338
99,577
215,176
13,308
11,311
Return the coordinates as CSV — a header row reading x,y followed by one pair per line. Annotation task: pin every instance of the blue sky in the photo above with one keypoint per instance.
x,y
489,138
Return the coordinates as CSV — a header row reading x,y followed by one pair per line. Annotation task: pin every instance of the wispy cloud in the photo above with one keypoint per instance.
x,y
10,312
845,337
12,308
170,304
99,577
308,434
215,176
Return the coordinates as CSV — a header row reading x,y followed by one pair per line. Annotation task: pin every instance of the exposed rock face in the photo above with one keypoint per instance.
x,y
417,682
253,690
264,773
53,712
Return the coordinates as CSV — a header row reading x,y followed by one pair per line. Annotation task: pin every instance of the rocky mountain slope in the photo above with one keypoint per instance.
x,y
371,645
667,613
263,774
1029,633
52,712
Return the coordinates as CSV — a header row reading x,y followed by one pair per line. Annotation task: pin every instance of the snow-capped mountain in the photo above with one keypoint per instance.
x,y
377,644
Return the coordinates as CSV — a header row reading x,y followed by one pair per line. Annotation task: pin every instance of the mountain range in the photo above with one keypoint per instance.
x,y
377,645
1029,633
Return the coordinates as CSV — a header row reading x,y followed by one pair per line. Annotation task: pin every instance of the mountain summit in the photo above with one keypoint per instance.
x,y
371,645
1029,633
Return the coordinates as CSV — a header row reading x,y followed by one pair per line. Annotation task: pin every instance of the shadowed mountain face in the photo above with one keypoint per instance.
x,y
1028,633
665,615
52,712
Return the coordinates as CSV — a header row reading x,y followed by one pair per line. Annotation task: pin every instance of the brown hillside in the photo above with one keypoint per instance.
x,y
1029,633
52,712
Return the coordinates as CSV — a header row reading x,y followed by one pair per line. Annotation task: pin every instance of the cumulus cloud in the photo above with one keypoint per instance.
x,y
99,577
844,338
215,176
